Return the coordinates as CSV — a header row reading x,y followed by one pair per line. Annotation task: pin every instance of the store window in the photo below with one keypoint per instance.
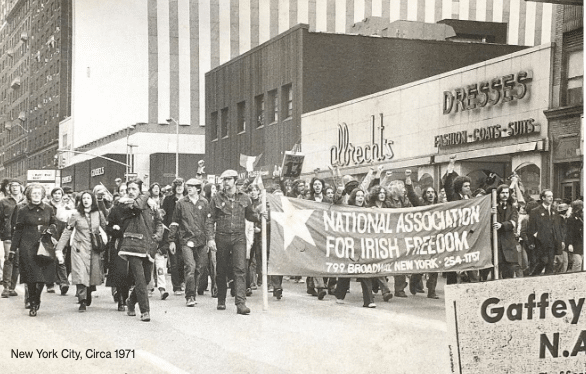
x,y
214,125
287,109
570,176
273,111
225,121
259,103
575,77
529,178
241,120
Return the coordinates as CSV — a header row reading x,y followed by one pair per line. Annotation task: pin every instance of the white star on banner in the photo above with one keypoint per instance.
x,y
293,222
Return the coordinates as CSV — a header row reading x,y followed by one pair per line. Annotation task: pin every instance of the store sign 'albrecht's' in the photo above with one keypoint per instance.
x,y
346,153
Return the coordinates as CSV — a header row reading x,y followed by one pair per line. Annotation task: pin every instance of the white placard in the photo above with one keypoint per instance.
x,y
40,175
522,325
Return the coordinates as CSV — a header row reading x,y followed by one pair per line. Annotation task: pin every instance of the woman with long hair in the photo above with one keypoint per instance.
x,y
86,271
356,199
379,199
156,194
34,220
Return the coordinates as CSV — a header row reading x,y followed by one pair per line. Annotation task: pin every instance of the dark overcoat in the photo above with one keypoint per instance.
x,y
31,222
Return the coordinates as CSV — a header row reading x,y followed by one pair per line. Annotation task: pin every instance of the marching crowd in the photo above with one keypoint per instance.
x,y
209,237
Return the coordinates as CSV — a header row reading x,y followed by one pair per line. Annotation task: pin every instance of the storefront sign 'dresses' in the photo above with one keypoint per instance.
x,y
478,95
481,134
346,153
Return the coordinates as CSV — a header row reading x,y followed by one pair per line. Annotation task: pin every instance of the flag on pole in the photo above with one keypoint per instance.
x,y
258,182
249,162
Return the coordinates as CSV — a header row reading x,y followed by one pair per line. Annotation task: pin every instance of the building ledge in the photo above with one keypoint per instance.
x,y
566,111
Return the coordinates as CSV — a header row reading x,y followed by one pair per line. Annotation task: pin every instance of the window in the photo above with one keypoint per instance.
x,y
259,103
287,109
241,120
273,111
575,80
225,122
214,125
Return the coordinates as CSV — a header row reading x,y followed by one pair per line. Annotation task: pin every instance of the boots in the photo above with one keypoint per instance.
x,y
82,306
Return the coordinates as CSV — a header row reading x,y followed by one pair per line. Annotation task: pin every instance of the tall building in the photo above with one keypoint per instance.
x,y
15,90
144,61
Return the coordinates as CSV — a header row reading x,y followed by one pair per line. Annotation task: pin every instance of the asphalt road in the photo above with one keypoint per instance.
x,y
297,334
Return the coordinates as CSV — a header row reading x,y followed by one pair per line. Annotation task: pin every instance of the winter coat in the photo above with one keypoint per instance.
x,y
118,272
507,241
8,216
146,223
575,235
86,266
31,222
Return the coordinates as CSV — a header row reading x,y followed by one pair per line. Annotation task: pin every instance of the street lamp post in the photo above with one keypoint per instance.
x,y
169,120
129,168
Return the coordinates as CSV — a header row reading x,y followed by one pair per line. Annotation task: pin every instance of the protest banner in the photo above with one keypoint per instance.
x,y
319,239
521,325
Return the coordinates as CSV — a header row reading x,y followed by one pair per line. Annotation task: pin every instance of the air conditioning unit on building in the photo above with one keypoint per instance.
x,y
10,52
15,83
24,36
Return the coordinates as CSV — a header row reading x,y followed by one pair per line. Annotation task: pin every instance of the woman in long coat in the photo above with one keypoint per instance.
x,y
34,219
86,270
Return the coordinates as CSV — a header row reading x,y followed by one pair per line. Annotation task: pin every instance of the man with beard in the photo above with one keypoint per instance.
x,y
229,209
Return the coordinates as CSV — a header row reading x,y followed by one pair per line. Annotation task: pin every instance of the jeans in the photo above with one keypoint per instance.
x,y
176,267
10,270
83,291
277,281
141,269
343,285
160,267
61,274
195,259
400,283
560,263
543,262
430,284
231,262
576,262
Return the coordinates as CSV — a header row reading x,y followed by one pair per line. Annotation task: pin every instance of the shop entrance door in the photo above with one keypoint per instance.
x,y
570,190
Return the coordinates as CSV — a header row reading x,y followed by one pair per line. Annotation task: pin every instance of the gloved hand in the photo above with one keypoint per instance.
x,y
172,248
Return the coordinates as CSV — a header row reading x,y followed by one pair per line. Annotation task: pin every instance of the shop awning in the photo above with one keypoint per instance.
x,y
504,150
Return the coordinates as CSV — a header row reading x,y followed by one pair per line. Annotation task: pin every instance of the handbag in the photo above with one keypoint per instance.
x,y
46,250
98,244
99,240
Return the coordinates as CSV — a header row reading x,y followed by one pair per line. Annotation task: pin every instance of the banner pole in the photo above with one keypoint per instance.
x,y
495,246
265,292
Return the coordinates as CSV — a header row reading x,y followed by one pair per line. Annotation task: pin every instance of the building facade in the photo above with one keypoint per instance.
x,y
143,61
254,103
489,116
566,115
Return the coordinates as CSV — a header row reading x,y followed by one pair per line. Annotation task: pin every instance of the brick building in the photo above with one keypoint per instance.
x,y
566,115
254,103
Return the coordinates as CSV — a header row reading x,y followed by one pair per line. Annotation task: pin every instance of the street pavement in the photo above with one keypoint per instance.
x,y
297,334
